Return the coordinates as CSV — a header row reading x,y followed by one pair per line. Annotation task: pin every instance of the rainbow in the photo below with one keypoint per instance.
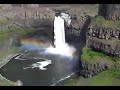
x,y
34,43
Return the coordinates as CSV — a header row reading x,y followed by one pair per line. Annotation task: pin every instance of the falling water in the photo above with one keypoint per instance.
x,y
61,47
31,64
59,32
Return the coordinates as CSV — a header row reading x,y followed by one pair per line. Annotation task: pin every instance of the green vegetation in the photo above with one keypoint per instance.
x,y
106,78
102,22
5,82
109,77
4,37
90,55
19,32
4,21
6,52
4,58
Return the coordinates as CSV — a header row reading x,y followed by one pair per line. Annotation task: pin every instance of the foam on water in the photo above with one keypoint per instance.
x,y
41,65
61,47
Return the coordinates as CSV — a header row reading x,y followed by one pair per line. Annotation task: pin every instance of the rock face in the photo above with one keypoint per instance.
x,y
32,18
37,15
110,11
103,39
76,28
108,47
104,33
90,69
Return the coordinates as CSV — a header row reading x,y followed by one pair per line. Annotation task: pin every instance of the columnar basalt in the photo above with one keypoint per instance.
x,y
110,11
103,35
90,69
105,38
108,47
28,18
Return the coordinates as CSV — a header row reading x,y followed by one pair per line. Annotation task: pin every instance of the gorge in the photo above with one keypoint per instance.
x,y
35,59
79,40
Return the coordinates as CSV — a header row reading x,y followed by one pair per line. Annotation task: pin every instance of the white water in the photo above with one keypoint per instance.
x,y
41,65
59,32
61,47
62,79
67,18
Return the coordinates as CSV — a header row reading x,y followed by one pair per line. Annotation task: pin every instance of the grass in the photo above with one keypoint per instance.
x,y
5,52
90,55
19,32
3,60
109,77
3,21
106,78
5,82
102,22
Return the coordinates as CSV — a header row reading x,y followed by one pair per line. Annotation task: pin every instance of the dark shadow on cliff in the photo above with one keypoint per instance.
x,y
79,41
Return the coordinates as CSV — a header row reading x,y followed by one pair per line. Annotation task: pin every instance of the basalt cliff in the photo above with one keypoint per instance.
x,y
103,35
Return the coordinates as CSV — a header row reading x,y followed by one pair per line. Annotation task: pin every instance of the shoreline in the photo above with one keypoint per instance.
x,y
6,60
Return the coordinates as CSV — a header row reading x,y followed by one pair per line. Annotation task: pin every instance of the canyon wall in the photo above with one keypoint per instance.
x,y
90,69
42,15
28,18
103,35
105,38
110,11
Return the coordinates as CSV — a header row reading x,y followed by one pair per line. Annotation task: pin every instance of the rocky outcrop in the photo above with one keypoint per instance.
x,y
90,69
32,18
104,33
103,38
110,11
78,26
37,17
109,47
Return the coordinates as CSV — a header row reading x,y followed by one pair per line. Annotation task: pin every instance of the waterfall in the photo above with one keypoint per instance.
x,y
61,47
59,32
